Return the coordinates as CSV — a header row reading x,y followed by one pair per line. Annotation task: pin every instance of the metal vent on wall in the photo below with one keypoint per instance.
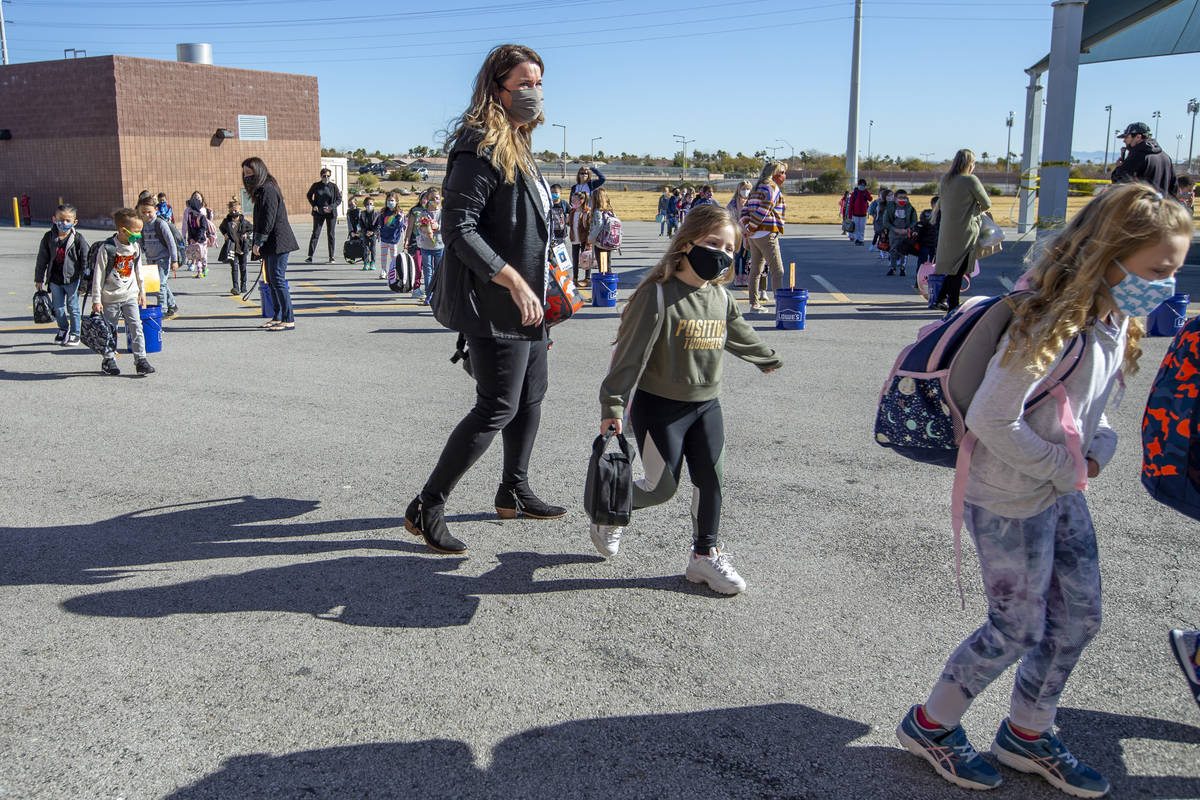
x,y
252,128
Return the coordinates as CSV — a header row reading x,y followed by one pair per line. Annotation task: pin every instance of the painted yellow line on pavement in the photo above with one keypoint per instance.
x,y
322,292
833,290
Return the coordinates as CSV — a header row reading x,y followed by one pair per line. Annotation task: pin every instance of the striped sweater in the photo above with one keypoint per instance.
x,y
764,210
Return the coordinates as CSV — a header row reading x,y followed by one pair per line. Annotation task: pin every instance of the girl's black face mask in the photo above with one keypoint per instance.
x,y
708,263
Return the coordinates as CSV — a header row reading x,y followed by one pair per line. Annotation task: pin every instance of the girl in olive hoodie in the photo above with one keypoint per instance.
x,y
669,356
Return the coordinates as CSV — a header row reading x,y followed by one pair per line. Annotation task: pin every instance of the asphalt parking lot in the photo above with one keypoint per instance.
x,y
207,590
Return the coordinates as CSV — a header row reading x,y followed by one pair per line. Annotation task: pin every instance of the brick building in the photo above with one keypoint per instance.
x,y
96,131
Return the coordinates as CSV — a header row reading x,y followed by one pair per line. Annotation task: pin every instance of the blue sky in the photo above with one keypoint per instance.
x,y
937,75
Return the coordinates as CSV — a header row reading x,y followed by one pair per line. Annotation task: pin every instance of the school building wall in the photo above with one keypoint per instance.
x,y
96,131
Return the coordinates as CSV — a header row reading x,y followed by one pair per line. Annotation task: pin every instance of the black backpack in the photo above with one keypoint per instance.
x,y
608,492
43,308
89,263
558,223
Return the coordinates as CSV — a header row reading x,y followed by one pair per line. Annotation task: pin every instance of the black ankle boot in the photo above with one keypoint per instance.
x,y
430,524
513,499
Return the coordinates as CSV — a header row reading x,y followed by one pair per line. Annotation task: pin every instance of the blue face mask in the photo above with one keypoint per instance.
x,y
65,227
1136,296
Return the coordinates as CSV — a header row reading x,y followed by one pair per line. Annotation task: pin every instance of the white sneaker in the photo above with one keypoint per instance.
x,y
607,538
716,570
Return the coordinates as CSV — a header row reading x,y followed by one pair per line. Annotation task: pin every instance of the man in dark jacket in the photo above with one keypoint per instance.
x,y
1144,160
324,197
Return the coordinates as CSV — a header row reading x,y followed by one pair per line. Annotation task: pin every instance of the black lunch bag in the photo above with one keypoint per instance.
x,y
608,492
43,308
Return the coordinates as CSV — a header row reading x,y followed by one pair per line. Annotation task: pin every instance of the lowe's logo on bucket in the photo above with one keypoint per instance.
x,y
789,315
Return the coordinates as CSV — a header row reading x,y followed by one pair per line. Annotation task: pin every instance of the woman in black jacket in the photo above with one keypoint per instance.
x,y
490,287
273,238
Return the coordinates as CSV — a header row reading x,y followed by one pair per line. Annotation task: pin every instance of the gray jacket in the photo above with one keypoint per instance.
x,y
158,242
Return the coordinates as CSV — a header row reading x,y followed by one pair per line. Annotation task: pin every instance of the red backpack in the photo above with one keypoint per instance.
x,y
1171,427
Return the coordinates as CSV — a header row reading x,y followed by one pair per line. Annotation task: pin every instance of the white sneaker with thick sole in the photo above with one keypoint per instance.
x,y
716,570
607,538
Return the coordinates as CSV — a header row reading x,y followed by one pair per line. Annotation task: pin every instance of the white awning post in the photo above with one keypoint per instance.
x,y
855,76
1032,154
1065,40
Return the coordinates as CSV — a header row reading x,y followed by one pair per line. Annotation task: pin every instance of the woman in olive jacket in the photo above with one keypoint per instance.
x,y
273,238
490,287
962,201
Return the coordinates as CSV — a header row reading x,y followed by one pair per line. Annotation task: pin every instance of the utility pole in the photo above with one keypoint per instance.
x,y
870,129
564,150
1178,142
683,140
1157,118
1008,147
855,77
1193,106
793,155
3,37
594,140
1106,139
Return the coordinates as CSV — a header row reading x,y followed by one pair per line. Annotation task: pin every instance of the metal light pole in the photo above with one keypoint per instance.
x,y
683,140
1193,106
1109,125
870,129
564,150
793,155
3,37
594,140
855,77
1157,118
1008,147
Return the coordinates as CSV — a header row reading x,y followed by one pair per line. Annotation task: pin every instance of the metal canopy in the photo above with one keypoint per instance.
x,y
1088,31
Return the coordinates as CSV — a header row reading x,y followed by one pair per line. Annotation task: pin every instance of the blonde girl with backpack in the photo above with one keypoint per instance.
x,y
1025,506
602,215
666,370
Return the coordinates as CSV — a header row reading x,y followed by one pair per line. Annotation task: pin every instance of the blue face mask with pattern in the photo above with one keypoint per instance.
x,y
1136,296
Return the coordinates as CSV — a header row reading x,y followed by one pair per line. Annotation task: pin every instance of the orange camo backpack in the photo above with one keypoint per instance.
x,y
1171,426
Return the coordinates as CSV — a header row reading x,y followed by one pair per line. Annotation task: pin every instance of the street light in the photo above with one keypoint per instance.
x,y
1178,142
683,140
793,155
1193,106
1109,110
564,150
594,140
1008,147
870,128
1157,117
773,150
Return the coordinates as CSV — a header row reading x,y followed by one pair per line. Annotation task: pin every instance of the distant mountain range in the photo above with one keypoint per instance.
x,y
1095,156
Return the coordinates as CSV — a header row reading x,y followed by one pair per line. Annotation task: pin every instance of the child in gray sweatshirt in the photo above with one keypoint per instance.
x,y
117,288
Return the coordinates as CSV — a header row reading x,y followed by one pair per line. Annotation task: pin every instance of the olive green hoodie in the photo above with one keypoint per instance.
x,y
685,358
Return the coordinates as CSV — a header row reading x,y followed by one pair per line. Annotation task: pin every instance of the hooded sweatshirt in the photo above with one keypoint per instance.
x,y
1147,162
118,279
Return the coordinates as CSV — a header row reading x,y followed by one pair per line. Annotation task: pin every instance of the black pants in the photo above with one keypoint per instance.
x,y
953,283
510,382
329,220
237,269
668,431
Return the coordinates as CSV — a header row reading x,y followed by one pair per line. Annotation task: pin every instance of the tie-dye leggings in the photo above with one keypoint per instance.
x,y
1042,579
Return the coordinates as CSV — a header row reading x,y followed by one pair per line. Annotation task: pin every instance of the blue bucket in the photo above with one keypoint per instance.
x,y
1169,317
151,330
268,302
604,289
935,288
791,306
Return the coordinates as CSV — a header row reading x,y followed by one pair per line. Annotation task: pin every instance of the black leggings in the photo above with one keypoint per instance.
x,y
510,382
237,267
953,284
667,432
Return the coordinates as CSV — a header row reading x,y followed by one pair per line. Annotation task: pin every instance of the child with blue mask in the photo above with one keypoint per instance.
x,y
1025,503
60,265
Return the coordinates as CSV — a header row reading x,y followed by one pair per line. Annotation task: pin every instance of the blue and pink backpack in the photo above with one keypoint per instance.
x,y
924,402
1171,426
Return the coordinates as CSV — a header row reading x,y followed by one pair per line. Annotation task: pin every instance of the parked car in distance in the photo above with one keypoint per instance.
x,y
372,169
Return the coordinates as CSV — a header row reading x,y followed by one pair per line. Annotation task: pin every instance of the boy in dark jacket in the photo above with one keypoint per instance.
x,y
239,235
367,227
61,259
900,220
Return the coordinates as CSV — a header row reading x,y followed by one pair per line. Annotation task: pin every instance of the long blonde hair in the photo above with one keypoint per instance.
x,y
963,160
1069,289
510,146
738,201
600,201
768,171
699,222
